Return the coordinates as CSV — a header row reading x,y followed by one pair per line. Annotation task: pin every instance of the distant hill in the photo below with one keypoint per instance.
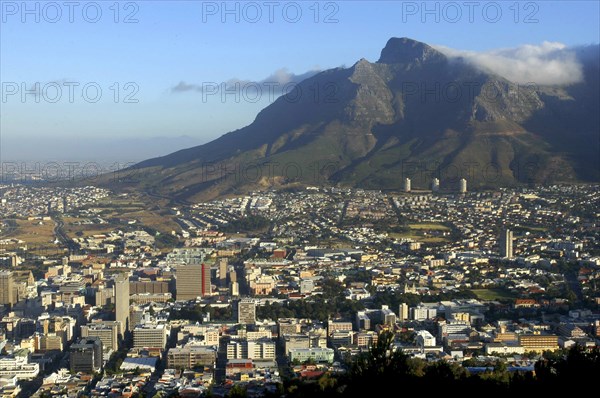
x,y
414,113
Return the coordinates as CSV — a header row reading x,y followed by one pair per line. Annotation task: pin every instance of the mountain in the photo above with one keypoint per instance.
x,y
414,113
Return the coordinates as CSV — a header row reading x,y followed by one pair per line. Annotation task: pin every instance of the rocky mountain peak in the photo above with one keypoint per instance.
x,y
408,51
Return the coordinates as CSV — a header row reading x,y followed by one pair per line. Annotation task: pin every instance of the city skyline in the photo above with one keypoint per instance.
x,y
295,281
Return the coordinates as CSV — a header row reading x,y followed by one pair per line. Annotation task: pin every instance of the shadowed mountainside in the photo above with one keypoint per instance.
x,y
414,113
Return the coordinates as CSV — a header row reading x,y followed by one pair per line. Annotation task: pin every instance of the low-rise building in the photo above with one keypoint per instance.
x,y
503,349
317,355
18,367
188,357
539,342
150,335
425,339
257,350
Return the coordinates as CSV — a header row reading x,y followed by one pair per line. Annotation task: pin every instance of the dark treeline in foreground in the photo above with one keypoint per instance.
x,y
382,371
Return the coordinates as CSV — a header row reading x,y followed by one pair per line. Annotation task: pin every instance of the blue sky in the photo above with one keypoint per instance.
x,y
196,42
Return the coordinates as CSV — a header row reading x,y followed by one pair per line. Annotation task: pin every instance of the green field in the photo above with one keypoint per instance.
x,y
145,210
493,294
418,232
534,229
429,226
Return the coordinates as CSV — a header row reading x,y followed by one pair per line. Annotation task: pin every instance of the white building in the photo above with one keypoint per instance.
x,y
307,286
422,313
503,348
425,339
259,349
147,364
317,355
505,243
403,312
235,289
150,335
387,315
247,311
446,328
357,294
206,335
18,367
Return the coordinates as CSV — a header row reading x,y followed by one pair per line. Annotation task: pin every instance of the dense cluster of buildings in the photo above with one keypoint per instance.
x,y
138,318
30,201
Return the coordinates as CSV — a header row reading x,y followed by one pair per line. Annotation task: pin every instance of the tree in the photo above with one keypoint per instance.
x,y
326,382
237,391
310,361
381,360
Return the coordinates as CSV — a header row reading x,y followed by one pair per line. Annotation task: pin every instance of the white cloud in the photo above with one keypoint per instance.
x,y
278,80
549,63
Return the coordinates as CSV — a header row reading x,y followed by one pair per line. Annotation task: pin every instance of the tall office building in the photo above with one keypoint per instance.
x,y
435,185
235,289
407,185
223,272
7,281
122,302
403,312
246,311
506,244
106,331
363,322
232,276
86,355
193,280
462,185
206,286
136,313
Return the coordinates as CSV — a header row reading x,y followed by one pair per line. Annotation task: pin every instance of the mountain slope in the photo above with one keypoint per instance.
x,y
414,113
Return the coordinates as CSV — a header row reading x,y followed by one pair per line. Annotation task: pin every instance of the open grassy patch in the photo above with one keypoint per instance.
x,y
429,227
76,227
121,212
493,294
163,224
533,228
38,236
424,233
35,232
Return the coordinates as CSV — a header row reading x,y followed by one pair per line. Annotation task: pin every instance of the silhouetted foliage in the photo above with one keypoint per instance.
x,y
375,372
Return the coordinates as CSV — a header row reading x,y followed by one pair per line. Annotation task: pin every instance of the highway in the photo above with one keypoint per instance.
x,y
62,236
